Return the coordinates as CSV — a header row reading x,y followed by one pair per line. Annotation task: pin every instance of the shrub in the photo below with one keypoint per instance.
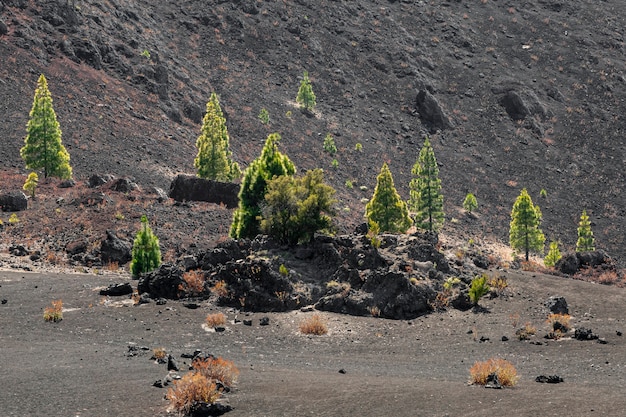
x,y
349,184
217,368
283,270
264,116
13,219
329,144
470,204
193,283
215,319
559,325
221,289
525,332
54,313
314,325
146,251
503,369
306,96
358,147
478,289
498,284
190,390
553,256
159,354
31,184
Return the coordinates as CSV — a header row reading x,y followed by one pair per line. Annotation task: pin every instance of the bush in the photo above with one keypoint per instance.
x,y
525,332
54,313
559,325
216,319
146,251
478,289
190,390
503,369
218,369
193,283
314,325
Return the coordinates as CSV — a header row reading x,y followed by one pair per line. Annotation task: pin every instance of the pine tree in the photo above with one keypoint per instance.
x,y
554,254
146,251
214,160
306,96
31,184
470,204
426,200
525,233
585,242
271,163
43,148
386,208
296,208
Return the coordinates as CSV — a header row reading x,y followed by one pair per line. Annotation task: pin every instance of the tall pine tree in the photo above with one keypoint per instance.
x,y
525,233
271,163
386,208
426,200
585,242
146,252
214,160
43,148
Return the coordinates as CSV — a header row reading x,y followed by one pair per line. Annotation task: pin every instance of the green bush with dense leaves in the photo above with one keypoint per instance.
x,y
146,252
386,208
586,241
478,288
306,97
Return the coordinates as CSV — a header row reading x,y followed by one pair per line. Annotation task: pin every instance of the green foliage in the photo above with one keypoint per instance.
x,y
386,208
349,184
43,148
264,116
306,97
451,282
478,288
372,233
13,219
470,204
288,114
543,193
31,184
586,241
296,208
334,163
554,254
329,144
524,230
145,53
271,163
358,147
146,251
426,200
282,269
214,160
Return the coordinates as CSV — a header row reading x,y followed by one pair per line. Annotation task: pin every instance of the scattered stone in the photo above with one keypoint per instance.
x,y
602,341
159,383
190,188
115,250
76,247
483,339
161,301
191,355
13,201
18,250
431,112
264,321
202,409
584,334
97,180
493,382
557,305
4,301
191,306
124,185
505,339
67,184
342,371
171,363
617,332
219,329
247,322
116,290
550,379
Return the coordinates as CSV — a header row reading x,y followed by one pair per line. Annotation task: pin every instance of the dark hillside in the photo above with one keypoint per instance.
x,y
513,95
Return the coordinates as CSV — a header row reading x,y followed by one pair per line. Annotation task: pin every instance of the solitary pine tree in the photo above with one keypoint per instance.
x,y
426,200
554,254
386,208
306,96
43,148
214,160
271,163
525,233
585,241
470,204
146,251
31,184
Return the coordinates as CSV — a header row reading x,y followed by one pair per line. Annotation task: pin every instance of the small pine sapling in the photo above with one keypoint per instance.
x,y
146,252
264,116
586,241
470,204
31,184
553,256
329,144
478,288
306,96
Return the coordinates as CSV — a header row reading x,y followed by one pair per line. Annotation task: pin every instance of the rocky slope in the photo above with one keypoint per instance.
x,y
513,95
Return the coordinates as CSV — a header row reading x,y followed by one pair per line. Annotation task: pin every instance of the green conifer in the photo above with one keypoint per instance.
x,y
554,254
306,96
146,252
271,163
470,204
426,200
524,230
386,208
214,160
43,148
586,241
31,184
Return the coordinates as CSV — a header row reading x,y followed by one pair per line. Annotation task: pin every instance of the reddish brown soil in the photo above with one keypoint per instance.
x,y
80,366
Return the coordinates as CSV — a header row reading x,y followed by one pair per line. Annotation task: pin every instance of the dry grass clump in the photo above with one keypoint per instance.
x,y
526,332
191,389
314,325
559,325
498,284
54,313
215,319
600,276
220,289
193,284
159,354
218,369
503,369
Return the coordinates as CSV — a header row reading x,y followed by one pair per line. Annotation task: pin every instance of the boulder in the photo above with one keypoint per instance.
x,y
76,247
573,262
67,183
116,290
189,188
3,28
557,305
13,201
162,282
431,113
97,180
114,249
123,185
568,264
